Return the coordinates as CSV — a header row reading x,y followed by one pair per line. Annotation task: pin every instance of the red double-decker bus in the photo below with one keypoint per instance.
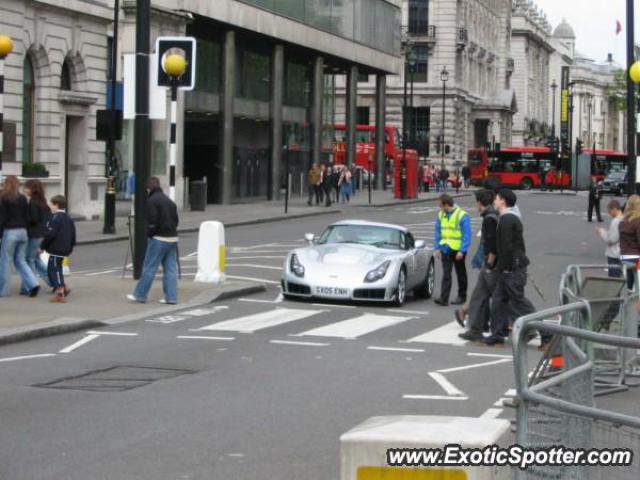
x,y
604,161
519,167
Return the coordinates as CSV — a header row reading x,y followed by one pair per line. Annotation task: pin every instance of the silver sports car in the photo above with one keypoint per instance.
x,y
360,260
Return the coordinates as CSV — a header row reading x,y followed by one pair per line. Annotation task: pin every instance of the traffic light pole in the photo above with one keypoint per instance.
x,y
142,134
631,124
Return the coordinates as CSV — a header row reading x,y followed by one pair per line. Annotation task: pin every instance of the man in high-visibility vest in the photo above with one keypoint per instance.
x,y
452,241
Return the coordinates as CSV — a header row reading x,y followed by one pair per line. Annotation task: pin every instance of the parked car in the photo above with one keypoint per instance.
x,y
615,182
362,261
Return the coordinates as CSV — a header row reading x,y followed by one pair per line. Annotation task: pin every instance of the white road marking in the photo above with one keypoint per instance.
x,y
252,279
304,344
91,332
446,385
355,327
500,403
201,312
79,343
24,357
333,305
433,397
202,337
260,321
413,312
278,299
100,273
231,257
167,319
249,265
393,349
489,355
446,335
492,413
474,365
511,392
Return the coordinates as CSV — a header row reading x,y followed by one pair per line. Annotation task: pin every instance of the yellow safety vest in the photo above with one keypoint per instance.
x,y
450,231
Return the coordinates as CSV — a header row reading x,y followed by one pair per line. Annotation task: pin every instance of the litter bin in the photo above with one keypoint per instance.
x,y
198,196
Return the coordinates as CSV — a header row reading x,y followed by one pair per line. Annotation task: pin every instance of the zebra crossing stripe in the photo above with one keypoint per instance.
x,y
355,327
260,321
446,335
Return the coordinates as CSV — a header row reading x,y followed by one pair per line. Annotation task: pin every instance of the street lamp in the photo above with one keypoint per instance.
x,y
444,77
411,60
6,47
109,225
554,86
174,65
403,163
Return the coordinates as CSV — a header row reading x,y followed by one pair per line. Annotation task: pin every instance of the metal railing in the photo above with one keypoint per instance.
x,y
560,409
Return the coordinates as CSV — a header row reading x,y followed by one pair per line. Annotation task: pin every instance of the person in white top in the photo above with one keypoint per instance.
x,y
611,238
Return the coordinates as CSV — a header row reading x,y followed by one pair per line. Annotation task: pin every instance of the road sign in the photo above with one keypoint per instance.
x,y
184,46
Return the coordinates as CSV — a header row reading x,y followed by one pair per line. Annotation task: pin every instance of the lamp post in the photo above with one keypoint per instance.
x,y
634,76
174,65
411,60
590,107
403,163
554,86
109,225
6,47
444,77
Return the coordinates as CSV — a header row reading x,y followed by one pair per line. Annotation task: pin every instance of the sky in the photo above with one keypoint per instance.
x,y
594,22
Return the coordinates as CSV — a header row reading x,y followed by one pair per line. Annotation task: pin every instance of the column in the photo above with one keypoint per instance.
x,y
381,114
352,109
225,180
316,109
277,96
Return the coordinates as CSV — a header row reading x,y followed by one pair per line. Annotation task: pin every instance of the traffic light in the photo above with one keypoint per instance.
x,y
438,146
497,147
447,149
579,144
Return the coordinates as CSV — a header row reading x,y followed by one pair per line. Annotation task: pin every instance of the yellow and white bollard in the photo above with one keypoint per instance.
x,y
66,270
363,450
211,253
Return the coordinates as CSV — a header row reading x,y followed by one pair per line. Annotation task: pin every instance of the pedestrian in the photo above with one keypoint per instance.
x,y
39,214
14,215
345,185
629,229
436,179
466,176
479,310
427,177
313,177
355,175
444,179
595,194
162,248
457,180
327,180
543,176
320,184
58,242
509,301
611,238
452,241
335,182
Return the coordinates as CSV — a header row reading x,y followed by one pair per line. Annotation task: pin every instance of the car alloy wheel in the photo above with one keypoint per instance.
x,y
431,279
401,289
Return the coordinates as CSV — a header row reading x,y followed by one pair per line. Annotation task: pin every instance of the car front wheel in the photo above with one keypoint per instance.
x,y
401,289
426,288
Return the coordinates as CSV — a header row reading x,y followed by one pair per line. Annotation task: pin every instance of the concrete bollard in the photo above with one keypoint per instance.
x,y
211,253
363,450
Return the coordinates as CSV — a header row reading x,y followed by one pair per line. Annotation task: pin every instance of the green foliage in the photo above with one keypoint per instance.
x,y
617,91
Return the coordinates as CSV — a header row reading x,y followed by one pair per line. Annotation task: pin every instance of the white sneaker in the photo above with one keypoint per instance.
x,y
134,299
164,301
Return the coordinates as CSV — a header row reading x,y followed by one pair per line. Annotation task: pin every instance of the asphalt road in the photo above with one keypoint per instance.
x,y
258,387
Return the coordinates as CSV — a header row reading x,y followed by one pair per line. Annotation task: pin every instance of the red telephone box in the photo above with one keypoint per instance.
x,y
412,174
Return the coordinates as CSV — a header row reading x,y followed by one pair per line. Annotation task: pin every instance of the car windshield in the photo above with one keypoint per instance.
x,y
364,235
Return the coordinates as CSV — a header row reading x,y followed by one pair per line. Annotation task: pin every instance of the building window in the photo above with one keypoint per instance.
x,y
362,118
208,70
363,78
65,75
254,75
418,17
420,69
297,84
28,111
421,119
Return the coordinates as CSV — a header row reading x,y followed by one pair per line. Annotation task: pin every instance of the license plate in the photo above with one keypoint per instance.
x,y
332,291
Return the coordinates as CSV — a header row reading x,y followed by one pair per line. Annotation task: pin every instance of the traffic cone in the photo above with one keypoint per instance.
x,y
556,361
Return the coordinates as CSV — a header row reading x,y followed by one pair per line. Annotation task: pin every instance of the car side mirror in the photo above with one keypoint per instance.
x,y
420,244
310,237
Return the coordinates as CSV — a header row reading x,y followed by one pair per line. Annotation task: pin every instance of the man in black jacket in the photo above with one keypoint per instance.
x,y
479,305
509,302
162,248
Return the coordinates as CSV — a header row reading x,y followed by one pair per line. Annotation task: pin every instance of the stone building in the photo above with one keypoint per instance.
x,y
55,80
471,39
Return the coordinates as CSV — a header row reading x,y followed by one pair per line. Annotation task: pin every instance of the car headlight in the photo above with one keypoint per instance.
x,y
377,273
295,266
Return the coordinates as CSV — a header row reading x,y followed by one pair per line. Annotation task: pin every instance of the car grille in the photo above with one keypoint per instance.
x,y
298,289
369,293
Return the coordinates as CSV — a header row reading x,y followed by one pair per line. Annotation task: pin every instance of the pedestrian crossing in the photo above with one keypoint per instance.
x,y
325,322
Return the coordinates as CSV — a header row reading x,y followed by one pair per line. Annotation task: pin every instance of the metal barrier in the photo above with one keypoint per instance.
x,y
560,409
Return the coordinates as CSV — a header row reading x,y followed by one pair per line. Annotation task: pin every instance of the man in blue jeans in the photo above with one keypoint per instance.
x,y
162,247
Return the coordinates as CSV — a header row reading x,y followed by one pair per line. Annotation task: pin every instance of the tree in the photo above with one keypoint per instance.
x,y
617,91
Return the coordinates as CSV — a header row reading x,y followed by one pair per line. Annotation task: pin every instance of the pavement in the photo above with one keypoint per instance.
x,y
238,214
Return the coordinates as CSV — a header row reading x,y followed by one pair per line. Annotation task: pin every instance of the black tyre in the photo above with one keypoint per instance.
x,y
401,289
526,183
